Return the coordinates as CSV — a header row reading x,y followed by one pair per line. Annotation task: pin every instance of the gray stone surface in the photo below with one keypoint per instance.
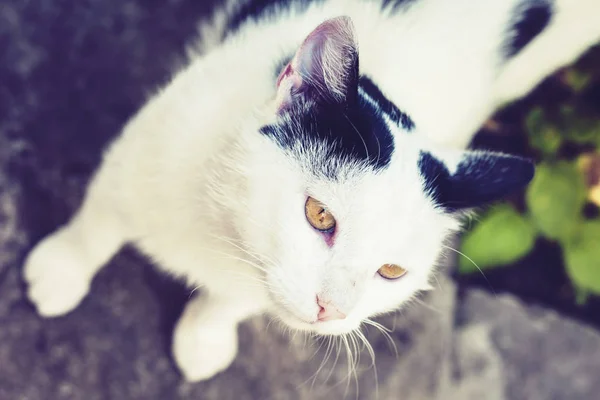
x,y
522,352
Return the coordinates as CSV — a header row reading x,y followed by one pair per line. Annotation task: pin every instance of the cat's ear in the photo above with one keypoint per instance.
x,y
463,180
324,68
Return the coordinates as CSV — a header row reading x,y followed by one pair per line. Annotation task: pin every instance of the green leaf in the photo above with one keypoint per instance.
x,y
501,237
577,80
578,128
543,136
582,258
555,199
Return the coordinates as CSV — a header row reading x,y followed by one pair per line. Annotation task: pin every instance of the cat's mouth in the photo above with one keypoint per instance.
x,y
336,327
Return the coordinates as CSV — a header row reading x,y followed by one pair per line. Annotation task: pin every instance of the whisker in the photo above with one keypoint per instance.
x,y
338,347
350,359
475,264
428,306
385,332
369,347
359,135
323,362
356,363
258,257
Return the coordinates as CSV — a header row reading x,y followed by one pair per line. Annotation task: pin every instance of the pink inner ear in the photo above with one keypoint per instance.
x,y
288,82
321,61
287,70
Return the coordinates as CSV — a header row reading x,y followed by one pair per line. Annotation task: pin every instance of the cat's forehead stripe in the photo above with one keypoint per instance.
x,y
375,94
530,19
356,135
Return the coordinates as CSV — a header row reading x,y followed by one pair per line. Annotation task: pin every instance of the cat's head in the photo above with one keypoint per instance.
x,y
348,205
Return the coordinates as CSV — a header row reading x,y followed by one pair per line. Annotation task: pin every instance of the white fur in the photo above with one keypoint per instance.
x,y
194,186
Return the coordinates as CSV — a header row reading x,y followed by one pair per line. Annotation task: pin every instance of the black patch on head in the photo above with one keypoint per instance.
x,y
397,5
399,117
260,9
479,179
531,18
352,131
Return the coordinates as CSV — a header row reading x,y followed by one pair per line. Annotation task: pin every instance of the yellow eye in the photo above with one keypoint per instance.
x,y
318,216
391,271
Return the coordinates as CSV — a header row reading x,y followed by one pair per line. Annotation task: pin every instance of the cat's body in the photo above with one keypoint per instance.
x,y
212,176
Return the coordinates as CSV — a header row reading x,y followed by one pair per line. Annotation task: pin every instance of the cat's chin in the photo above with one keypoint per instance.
x,y
326,328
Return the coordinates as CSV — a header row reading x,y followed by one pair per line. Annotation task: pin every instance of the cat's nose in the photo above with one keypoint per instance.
x,y
328,311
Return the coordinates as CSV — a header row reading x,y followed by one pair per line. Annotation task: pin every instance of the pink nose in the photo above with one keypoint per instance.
x,y
328,312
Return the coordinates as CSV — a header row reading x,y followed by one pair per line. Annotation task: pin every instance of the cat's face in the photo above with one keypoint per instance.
x,y
350,208
371,218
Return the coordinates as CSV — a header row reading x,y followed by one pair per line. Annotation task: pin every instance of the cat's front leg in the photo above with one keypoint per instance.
x,y
205,341
60,269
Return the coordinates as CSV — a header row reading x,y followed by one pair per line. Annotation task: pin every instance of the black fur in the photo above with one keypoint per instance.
x,y
400,118
479,179
397,5
259,9
531,18
350,131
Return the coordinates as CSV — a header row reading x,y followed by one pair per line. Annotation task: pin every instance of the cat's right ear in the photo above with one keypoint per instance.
x,y
458,180
324,68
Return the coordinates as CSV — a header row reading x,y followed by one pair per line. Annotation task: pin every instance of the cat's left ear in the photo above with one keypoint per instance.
x,y
458,181
324,68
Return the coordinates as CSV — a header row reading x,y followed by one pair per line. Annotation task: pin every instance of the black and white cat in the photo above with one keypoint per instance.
x,y
311,162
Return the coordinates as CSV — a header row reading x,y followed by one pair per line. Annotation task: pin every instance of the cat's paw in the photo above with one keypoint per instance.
x,y
57,280
203,350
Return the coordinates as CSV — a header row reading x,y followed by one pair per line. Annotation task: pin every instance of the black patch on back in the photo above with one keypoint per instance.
x,y
479,179
259,9
355,132
397,5
399,117
531,18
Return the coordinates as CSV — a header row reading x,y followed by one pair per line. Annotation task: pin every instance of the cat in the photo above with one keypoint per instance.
x,y
310,160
